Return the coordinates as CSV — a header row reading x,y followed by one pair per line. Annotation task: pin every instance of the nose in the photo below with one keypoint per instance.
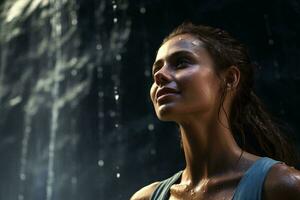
x,y
162,76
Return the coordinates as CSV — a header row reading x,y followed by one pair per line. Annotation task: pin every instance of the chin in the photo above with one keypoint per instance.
x,y
167,113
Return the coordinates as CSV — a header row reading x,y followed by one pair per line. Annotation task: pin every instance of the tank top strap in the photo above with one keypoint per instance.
x,y
163,189
251,185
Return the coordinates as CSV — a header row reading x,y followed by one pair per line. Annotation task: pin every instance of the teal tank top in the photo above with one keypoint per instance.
x,y
249,188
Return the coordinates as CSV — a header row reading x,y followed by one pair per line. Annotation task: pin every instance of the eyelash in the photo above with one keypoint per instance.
x,y
181,63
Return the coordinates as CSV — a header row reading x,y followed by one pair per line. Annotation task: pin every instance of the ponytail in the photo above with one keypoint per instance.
x,y
257,132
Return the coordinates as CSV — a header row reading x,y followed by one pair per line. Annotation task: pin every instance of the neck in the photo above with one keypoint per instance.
x,y
209,148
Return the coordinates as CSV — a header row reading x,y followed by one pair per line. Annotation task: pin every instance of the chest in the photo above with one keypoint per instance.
x,y
224,192
224,195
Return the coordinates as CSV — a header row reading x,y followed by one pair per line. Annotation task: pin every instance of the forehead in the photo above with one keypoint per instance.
x,y
183,42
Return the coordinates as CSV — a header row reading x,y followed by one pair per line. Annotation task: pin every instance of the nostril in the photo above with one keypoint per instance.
x,y
161,78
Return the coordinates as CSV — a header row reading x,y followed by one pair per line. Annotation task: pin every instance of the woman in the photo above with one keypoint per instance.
x,y
203,81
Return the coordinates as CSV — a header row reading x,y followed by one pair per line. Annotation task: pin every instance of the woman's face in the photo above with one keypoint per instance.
x,y
185,83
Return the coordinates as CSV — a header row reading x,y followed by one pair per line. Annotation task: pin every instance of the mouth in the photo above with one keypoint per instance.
x,y
165,93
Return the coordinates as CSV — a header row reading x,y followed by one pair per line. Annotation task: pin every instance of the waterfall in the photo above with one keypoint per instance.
x,y
53,68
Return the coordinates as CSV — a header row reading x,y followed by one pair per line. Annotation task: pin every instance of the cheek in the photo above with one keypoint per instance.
x,y
153,91
201,86
208,92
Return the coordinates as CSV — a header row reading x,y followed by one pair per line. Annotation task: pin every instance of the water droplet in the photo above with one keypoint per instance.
x,y
74,22
74,72
117,125
58,29
73,61
22,177
143,10
115,20
101,163
118,175
196,43
192,192
150,127
117,97
115,6
98,46
118,57
20,197
15,101
100,94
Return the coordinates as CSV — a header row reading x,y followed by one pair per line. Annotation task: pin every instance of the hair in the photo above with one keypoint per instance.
x,y
253,128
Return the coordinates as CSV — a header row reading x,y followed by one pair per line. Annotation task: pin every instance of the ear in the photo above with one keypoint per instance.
x,y
231,77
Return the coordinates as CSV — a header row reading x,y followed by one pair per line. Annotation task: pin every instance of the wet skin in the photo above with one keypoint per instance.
x,y
185,67
186,90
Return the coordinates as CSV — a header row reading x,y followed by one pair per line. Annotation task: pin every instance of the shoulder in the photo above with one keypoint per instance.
x,y
282,182
145,192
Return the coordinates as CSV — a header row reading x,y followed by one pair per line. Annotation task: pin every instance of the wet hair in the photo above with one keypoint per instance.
x,y
253,128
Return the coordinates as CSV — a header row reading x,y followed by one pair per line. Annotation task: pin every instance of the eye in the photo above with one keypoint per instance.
x,y
182,63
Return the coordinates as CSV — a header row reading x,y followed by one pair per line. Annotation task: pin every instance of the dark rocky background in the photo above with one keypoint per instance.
x,y
76,120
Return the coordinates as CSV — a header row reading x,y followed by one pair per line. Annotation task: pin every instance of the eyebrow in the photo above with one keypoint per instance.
x,y
175,54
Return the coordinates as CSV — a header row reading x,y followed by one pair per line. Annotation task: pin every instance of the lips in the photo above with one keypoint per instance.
x,y
165,91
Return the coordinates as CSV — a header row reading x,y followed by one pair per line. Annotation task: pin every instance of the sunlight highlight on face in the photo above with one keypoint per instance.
x,y
185,82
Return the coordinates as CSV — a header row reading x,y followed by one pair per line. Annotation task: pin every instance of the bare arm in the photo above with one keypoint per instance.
x,y
282,182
